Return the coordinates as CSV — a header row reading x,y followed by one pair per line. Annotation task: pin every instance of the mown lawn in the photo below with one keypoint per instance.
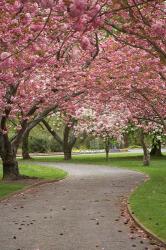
x,y
148,202
30,170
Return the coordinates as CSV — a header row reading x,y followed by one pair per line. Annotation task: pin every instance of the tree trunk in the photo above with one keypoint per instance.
x,y
9,162
156,148
146,157
66,143
25,147
10,169
107,153
8,156
67,153
107,147
126,140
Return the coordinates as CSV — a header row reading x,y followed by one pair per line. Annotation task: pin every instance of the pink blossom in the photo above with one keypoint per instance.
x,y
5,55
78,8
47,3
159,27
85,43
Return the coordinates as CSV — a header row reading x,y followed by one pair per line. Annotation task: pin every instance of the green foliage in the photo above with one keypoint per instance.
x,y
89,142
43,145
41,141
37,144
54,146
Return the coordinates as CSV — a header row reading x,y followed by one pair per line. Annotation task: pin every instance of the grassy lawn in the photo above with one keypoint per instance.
x,y
31,170
149,200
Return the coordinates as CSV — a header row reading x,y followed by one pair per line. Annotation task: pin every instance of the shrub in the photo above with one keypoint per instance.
x,y
39,145
54,146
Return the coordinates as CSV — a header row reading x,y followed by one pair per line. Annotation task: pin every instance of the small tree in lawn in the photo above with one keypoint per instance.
x,y
158,137
105,124
143,130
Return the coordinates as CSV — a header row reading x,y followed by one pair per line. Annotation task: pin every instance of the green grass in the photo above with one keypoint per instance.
x,y
90,158
8,188
148,202
31,170
42,172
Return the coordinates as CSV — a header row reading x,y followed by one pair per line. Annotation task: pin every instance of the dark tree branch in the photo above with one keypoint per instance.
x,y
52,132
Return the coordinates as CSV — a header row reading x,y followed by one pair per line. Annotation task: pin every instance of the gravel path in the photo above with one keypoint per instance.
x,y
81,212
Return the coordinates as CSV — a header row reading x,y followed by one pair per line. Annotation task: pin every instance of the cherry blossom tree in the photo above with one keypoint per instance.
x,y
103,123
42,68
131,74
36,39
140,24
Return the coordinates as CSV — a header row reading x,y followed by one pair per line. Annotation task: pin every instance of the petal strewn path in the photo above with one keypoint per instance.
x,y
78,213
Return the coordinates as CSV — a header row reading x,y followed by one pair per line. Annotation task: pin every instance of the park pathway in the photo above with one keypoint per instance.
x,y
81,212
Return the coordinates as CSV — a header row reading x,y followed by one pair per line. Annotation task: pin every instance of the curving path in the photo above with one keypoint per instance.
x,y
79,213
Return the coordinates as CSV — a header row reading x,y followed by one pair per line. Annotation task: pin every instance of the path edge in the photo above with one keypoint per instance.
x,y
138,223
29,187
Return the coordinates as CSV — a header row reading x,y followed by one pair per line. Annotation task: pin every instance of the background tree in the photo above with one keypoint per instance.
x,y
67,138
